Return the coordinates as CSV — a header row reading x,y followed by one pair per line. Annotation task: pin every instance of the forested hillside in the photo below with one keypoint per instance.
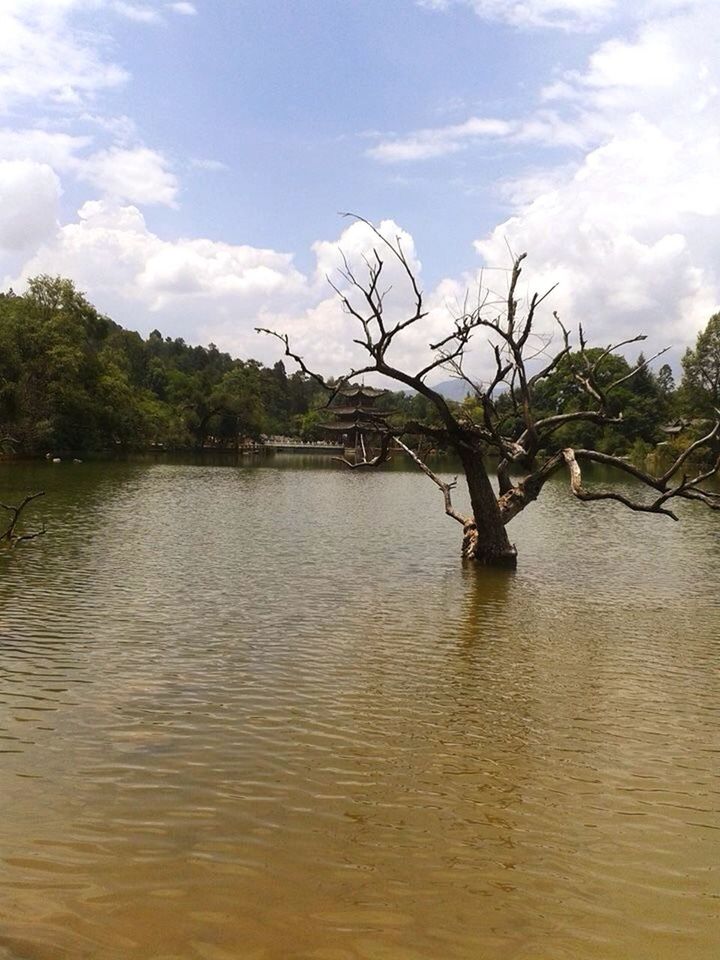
x,y
73,379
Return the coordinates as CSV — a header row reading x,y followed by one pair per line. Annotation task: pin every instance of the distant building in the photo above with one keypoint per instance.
x,y
682,423
674,428
355,423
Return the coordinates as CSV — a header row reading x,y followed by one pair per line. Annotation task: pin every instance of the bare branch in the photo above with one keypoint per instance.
x,y
514,499
399,254
589,382
511,301
582,494
616,346
546,371
382,457
285,340
9,536
687,489
505,484
548,425
636,369
331,388
702,442
445,487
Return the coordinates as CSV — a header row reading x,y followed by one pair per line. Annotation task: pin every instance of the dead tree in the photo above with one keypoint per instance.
x,y
10,537
520,441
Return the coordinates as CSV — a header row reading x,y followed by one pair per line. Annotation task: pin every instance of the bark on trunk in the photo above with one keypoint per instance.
x,y
488,543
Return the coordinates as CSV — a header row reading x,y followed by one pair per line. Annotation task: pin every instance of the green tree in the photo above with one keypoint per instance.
x,y
637,406
49,362
701,371
666,381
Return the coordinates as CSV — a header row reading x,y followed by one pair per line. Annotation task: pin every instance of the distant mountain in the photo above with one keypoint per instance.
x,y
452,389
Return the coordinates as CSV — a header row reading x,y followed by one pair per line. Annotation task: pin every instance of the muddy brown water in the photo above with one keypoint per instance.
x,y
264,712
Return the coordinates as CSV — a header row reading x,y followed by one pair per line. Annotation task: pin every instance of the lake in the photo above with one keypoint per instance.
x,y
263,712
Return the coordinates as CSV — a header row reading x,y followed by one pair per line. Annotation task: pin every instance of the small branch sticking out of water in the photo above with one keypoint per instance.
x,y
9,536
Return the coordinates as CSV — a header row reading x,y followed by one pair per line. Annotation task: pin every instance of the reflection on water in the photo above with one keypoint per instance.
x,y
252,712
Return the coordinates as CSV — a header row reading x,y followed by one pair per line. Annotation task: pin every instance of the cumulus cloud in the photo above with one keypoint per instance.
x,y
29,195
122,128
627,221
630,228
132,273
48,54
136,174
213,291
59,150
325,331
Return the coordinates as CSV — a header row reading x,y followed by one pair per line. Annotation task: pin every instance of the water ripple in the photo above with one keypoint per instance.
x,y
265,713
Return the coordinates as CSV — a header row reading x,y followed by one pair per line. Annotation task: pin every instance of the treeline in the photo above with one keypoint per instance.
x,y
71,379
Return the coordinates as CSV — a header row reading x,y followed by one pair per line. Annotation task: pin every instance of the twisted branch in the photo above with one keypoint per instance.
x,y
9,536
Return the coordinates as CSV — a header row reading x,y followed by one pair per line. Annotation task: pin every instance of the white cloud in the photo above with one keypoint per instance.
x,y
141,279
135,11
122,128
545,126
647,63
359,240
438,141
183,8
135,174
631,229
628,221
563,14
43,57
214,166
59,150
29,195
212,291
49,54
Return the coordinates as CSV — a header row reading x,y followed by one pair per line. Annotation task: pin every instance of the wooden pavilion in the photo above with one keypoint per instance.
x,y
356,424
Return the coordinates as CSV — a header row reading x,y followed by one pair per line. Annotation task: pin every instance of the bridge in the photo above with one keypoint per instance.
x,y
286,445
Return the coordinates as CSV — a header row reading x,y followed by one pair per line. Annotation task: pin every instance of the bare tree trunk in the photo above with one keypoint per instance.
x,y
489,543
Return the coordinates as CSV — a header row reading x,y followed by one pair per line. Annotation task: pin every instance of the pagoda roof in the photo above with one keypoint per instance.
x,y
356,390
347,425
364,411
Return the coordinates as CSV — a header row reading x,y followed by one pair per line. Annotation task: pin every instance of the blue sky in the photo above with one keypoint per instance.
x,y
288,96
185,161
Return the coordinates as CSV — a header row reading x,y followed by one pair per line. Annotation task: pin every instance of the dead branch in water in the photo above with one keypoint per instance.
x,y
9,536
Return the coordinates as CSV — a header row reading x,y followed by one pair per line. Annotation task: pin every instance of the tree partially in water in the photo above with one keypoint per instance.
x,y
505,418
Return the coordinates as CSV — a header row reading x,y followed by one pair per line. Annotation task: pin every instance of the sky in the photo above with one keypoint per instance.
x,y
186,162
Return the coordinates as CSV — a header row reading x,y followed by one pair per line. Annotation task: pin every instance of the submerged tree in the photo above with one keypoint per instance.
x,y
504,421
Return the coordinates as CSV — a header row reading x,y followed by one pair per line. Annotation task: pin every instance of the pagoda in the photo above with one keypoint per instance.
x,y
356,424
